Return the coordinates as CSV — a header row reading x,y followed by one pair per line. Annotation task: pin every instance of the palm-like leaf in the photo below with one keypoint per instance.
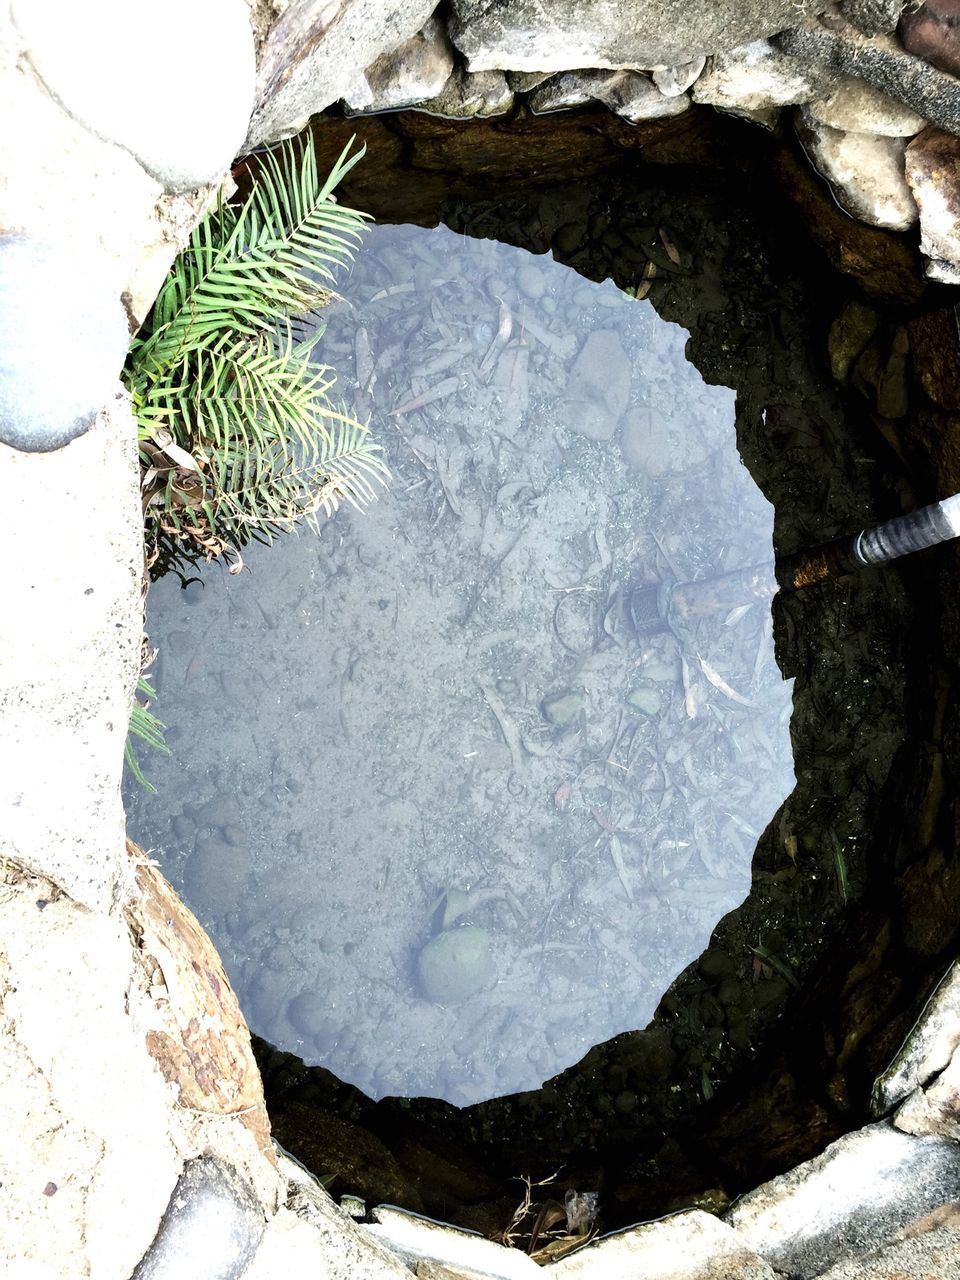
x,y
223,369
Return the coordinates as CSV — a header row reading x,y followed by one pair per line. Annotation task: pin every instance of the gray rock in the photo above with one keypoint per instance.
x,y
598,386
47,400
465,96
858,107
927,1049
172,84
932,1252
415,70
847,1201
864,170
561,708
872,17
215,875
456,964
881,62
526,81
672,81
211,1228
932,168
758,77
561,35
935,1109
627,93
315,54
421,1242
306,1011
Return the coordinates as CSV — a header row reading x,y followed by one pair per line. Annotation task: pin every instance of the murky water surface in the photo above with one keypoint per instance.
x,y
449,817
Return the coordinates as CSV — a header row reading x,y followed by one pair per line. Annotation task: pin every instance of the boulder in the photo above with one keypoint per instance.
x,y
561,35
627,93
864,170
466,95
858,107
107,63
933,172
417,69
759,77
598,386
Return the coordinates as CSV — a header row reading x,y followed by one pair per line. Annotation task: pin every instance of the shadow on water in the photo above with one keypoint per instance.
x,y
449,817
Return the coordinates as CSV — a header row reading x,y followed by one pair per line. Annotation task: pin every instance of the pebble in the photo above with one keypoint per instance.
x,y
306,1011
456,964
531,281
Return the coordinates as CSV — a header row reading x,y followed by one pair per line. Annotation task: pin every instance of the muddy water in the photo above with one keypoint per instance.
x,y
451,818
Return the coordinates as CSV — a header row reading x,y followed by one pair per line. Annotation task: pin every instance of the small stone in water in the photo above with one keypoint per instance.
x,y
561,708
646,699
531,282
306,1011
456,964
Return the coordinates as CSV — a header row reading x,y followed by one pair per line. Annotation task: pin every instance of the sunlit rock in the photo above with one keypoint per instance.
x,y
858,107
106,63
414,71
865,172
758,77
672,81
627,93
465,95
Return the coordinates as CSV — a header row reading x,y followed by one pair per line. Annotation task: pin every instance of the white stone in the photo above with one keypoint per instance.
x,y
861,1190
865,172
672,81
931,167
415,70
419,1239
927,1049
756,77
858,107
935,1109
688,1246
172,84
315,54
292,1249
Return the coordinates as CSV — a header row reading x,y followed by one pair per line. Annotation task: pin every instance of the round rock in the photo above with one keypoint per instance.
x,y
456,964
63,341
173,84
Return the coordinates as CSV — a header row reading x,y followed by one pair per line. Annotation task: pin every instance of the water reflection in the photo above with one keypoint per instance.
x,y
451,818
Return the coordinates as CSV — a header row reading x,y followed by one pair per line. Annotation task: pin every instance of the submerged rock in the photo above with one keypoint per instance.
x,y
864,170
598,387
40,410
561,708
456,964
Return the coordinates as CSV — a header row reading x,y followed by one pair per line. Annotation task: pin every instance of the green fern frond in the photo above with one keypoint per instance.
x,y
145,726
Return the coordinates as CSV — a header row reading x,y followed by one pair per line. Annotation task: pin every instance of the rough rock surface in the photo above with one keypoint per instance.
x,y
38,411
627,93
673,81
759,76
933,172
417,69
314,55
931,1252
420,1240
466,95
872,17
927,1049
212,1227
882,62
932,31
321,1245
849,1200
864,170
935,1109
105,63
857,107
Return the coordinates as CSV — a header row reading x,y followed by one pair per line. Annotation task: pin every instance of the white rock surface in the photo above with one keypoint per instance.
x,y
687,1246
70,653
415,70
315,53
861,1190
758,77
172,83
292,1249
858,107
672,81
927,1049
86,1160
418,1239
935,1109
933,171
865,172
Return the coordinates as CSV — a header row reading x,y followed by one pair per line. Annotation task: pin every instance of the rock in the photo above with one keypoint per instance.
x,y
466,95
646,698
932,31
881,375
935,354
929,1252
848,1200
646,442
531,281
95,60
306,1011
872,17
849,334
882,62
627,93
456,964
315,54
212,1227
672,81
561,708
40,412
215,875
759,77
419,1240
933,172
598,386
857,107
219,811
936,1108
415,70
561,35
864,170
333,1248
